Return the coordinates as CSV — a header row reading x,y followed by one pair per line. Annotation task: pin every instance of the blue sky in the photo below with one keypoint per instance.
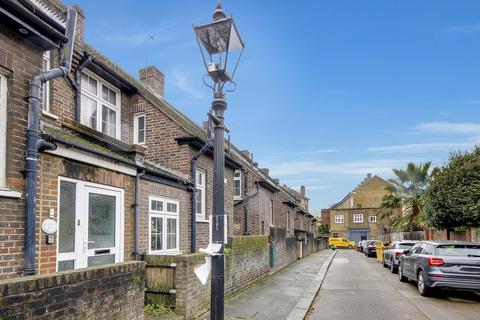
x,y
328,91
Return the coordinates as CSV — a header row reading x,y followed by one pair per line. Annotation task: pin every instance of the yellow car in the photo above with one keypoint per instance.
x,y
341,243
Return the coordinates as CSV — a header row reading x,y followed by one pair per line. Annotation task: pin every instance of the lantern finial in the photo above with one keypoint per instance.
x,y
218,14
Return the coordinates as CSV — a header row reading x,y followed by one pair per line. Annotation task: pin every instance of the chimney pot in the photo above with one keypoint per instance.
x,y
265,171
153,79
277,181
302,190
369,176
246,153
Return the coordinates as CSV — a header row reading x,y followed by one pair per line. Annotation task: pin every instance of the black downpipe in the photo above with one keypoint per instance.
x,y
35,144
245,209
193,227
78,82
135,213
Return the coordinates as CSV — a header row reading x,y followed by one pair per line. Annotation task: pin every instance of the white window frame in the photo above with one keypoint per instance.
x,y
339,218
3,131
81,205
99,100
164,214
201,185
135,128
358,218
372,219
239,179
46,65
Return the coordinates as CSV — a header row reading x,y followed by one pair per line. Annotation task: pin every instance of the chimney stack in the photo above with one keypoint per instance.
x,y
153,79
265,171
369,176
302,190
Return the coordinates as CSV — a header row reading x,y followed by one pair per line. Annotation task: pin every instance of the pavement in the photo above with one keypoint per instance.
x,y
287,293
357,287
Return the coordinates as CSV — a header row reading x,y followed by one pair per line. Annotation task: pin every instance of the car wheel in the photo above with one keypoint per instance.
x,y
423,289
401,277
393,269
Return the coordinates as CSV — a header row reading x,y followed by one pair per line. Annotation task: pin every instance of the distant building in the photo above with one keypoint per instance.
x,y
357,216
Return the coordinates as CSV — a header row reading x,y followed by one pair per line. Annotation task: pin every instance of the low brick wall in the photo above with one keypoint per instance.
x,y
285,248
246,261
113,291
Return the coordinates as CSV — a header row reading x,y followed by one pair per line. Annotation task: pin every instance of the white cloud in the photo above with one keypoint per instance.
x,y
424,147
307,167
183,83
468,128
461,29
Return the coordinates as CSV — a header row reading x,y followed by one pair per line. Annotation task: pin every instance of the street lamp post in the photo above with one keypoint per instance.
x,y
219,41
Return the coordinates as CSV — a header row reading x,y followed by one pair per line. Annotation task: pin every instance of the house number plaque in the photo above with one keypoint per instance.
x,y
49,226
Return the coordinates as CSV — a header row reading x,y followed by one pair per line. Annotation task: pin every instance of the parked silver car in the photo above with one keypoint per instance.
x,y
392,254
447,264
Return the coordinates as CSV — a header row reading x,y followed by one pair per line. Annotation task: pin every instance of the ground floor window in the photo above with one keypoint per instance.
x,y
164,225
90,220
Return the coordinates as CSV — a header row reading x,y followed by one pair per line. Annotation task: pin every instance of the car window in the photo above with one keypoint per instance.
x,y
416,248
464,250
405,245
428,249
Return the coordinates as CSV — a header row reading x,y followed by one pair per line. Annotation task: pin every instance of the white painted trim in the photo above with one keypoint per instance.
x,y
358,215
3,130
82,190
5,193
98,98
164,214
83,156
239,197
135,128
202,215
49,114
46,86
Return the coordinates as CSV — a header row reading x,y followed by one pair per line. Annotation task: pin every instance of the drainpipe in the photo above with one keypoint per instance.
x,y
135,213
245,209
88,59
35,144
193,227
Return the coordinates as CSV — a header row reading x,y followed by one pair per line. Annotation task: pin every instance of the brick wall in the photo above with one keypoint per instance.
x,y
149,188
246,261
107,292
285,248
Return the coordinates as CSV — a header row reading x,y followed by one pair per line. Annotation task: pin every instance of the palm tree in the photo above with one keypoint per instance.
x,y
403,205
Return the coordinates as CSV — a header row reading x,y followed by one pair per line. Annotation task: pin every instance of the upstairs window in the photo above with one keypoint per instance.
x,y
237,184
100,108
46,86
372,219
339,218
200,183
358,218
139,129
3,130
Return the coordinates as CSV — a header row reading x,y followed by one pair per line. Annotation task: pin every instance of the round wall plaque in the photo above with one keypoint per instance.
x,y
49,226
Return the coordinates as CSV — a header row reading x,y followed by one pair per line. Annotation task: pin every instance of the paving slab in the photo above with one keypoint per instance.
x,y
277,297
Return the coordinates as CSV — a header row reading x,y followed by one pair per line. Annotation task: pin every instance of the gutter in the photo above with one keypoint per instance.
x,y
193,227
136,206
35,144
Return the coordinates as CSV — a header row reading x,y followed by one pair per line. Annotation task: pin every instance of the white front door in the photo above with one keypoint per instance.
x,y
90,217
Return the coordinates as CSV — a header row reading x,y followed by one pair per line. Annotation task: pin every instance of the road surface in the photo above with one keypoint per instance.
x,y
357,287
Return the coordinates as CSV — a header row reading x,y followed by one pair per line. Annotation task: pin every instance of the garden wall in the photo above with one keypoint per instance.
x,y
113,291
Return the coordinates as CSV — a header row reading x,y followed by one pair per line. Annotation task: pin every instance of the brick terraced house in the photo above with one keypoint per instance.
x,y
120,174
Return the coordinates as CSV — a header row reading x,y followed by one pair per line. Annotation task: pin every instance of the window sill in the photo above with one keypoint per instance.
x,y
173,253
50,115
237,198
6,193
202,220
